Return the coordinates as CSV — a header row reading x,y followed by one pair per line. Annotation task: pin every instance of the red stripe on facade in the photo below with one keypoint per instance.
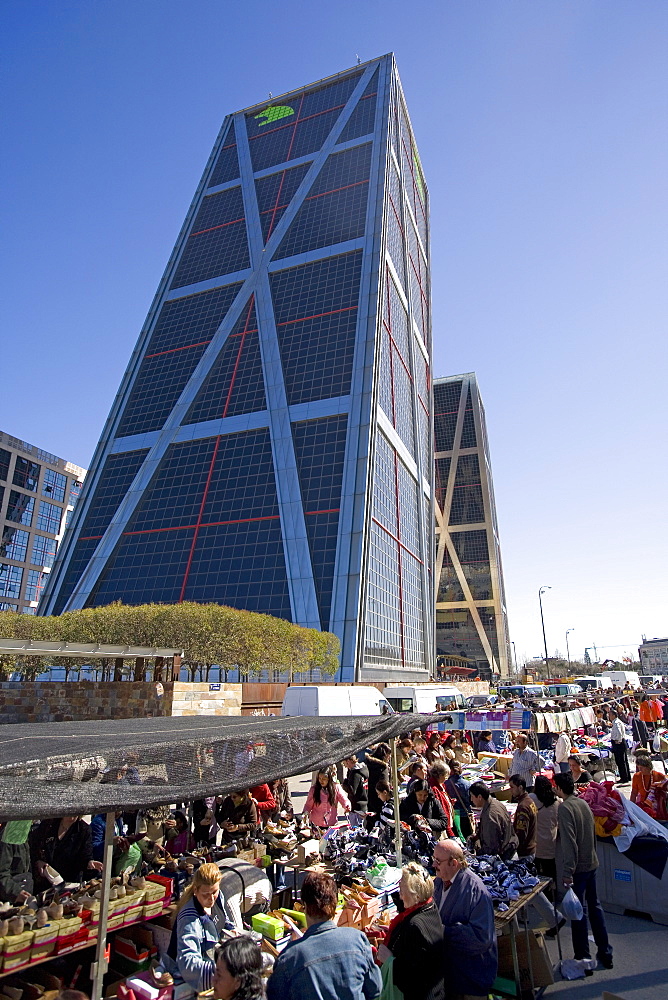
x,y
221,226
199,519
303,319
239,353
280,186
172,350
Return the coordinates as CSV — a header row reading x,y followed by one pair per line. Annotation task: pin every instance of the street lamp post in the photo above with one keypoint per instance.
x,y
567,650
515,656
542,621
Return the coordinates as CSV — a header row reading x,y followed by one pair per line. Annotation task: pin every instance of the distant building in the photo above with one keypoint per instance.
x,y
471,621
270,445
653,654
38,492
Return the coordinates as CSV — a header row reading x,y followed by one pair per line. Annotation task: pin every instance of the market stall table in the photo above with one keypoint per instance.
x,y
508,921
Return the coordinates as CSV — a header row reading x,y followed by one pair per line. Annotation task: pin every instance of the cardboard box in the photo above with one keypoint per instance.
x,y
143,987
269,927
305,850
540,960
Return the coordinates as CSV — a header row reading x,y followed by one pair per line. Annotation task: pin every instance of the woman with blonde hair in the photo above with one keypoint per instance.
x,y
200,919
414,939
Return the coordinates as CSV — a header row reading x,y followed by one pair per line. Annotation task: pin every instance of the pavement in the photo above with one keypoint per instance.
x,y
640,955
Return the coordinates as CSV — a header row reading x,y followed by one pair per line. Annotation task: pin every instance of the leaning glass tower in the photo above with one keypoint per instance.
x,y
270,445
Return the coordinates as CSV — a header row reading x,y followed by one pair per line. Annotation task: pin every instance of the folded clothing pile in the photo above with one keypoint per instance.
x,y
606,804
506,881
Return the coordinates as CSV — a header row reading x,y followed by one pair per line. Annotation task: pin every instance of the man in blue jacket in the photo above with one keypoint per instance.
x,y
326,962
467,913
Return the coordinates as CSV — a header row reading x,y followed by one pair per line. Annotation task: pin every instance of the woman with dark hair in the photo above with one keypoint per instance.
x,y
486,743
547,804
438,773
433,751
237,814
323,800
448,748
179,839
378,765
65,844
238,974
422,807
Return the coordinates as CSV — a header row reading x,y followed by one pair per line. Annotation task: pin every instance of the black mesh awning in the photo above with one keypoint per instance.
x,y
76,768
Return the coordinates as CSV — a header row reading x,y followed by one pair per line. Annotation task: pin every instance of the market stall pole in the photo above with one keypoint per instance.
x,y
99,966
395,791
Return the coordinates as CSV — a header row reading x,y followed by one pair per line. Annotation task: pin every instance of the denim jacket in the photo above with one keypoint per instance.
x,y
327,963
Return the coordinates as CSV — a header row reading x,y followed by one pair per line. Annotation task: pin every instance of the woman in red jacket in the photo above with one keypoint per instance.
x,y
438,773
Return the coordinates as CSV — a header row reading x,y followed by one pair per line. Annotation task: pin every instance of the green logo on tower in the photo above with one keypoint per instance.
x,y
273,114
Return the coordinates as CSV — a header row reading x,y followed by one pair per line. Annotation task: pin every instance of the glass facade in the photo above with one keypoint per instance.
x,y
31,527
471,621
271,446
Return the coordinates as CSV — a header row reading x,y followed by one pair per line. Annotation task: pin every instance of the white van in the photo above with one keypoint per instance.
x,y
594,683
340,699
425,698
563,690
625,678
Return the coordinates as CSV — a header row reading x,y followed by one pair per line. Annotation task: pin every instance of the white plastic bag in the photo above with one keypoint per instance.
x,y
656,743
571,907
571,968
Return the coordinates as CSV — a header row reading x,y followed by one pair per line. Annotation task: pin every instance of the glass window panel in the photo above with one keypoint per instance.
x,y
315,306
235,383
191,320
274,194
75,491
49,517
114,483
20,508
279,136
227,164
5,459
145,568
241,565
26,473
34,585
363,118
54,485
43,551
160,381
11,578
335,207
83,551
14,543
213,254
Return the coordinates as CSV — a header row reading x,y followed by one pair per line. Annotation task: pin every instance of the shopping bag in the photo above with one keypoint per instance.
x,y
571,907
389,990
656,743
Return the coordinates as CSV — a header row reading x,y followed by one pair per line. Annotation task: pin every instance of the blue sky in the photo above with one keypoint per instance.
x,y
542,131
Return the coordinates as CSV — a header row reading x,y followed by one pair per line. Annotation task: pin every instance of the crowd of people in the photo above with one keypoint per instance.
x,y
441,945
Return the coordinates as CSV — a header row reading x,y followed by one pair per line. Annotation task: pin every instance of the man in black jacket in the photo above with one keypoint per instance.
x,y
355,785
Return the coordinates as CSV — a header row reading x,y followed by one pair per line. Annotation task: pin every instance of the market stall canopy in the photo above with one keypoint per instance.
x,y
76,768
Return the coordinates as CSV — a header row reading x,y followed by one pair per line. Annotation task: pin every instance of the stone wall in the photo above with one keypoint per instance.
x,y
75,701
72,701
198,698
